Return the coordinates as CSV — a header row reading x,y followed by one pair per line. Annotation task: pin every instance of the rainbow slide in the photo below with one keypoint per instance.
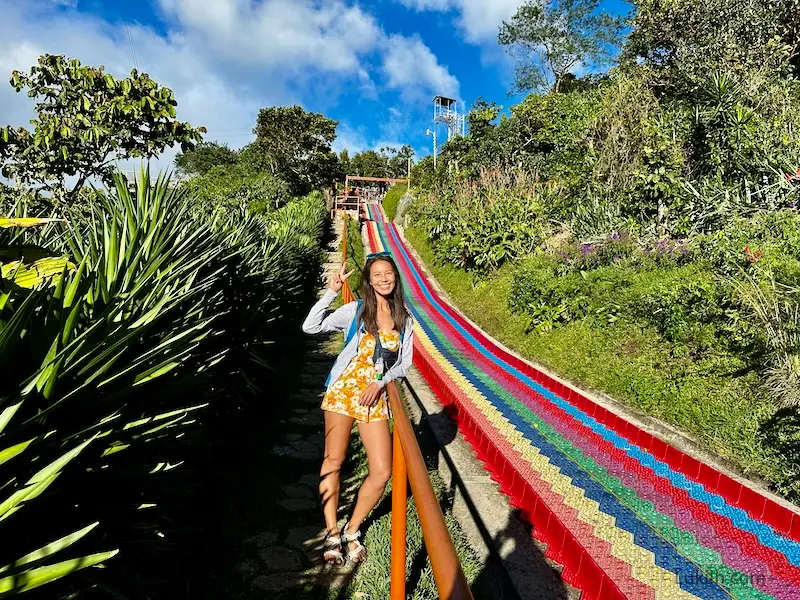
x,y
626,514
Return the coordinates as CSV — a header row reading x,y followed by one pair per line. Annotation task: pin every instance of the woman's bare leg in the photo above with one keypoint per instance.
x,y
337,439
378,444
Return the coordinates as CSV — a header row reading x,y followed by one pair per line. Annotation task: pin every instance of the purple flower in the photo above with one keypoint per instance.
x,y
614,236
586,248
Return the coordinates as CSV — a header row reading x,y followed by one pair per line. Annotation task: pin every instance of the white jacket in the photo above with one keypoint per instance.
x,y
321,320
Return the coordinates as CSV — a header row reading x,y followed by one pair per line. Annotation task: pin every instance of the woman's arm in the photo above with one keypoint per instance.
x,y
402,366
321,320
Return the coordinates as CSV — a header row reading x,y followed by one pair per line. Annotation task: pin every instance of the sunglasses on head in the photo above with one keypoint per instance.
x,y
378,255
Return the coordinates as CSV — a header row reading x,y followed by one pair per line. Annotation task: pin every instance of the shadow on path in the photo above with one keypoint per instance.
x,y
513,554
267,542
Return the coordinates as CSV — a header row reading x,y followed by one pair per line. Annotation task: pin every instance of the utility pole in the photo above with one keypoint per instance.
x,y
434,148
433,132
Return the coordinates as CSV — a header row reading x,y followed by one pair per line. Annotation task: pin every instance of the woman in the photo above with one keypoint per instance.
x,y
378,349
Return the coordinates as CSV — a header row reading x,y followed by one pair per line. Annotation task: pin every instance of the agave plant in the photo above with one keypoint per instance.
x,y
120,328
278,261
100,357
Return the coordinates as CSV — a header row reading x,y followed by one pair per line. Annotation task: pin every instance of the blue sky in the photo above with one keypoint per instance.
x,y
373,66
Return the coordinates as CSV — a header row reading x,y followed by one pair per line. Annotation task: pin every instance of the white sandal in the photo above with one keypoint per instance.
x,y
360,553
333,550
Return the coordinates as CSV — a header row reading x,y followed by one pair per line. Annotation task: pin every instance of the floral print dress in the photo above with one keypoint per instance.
x,y
342,397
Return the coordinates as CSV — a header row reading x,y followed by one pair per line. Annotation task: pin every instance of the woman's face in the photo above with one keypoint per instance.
x,y
382,277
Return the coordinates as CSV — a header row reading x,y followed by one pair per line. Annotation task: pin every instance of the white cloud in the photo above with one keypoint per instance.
x,y
478,19
412,68
291,34
225,59
350,138
481,19
204,97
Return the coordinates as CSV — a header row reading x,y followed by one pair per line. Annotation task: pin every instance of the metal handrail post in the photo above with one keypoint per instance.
x,y
399,523
447,573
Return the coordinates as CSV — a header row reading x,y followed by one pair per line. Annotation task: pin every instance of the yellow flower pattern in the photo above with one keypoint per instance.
x,y
342,397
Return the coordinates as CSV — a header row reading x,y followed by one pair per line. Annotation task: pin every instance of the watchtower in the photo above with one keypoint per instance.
x,y
445,111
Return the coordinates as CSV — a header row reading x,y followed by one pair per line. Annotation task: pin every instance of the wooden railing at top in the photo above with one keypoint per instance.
x,y
408,466
347,203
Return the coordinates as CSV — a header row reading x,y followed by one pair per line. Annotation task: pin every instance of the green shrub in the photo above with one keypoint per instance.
x,y
550,300
617,135
355,254
700,311
745,244
684,305
595,214
614,248
227,186
776,308
392,199
160,315
479,225
657,186
555,126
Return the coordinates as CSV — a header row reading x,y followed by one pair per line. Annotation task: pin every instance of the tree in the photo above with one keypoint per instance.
x,y
551,39
397,160
369,164
204,157
295,145
86,120
682,41
344,161
480,118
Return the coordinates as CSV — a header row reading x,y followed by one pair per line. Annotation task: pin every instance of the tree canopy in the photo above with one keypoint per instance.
x,y
204,157
86,119
389,162
682,41
551,39
295,144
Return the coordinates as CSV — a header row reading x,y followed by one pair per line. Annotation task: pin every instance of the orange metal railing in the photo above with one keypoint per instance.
x,y
347,294
408,466
407,462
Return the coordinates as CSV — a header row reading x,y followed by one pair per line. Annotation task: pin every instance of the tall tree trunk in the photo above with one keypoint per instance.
x,y
557,84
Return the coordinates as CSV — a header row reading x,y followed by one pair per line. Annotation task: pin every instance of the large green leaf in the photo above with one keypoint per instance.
x,y
49,549
41,575
6,222
15,450
34,274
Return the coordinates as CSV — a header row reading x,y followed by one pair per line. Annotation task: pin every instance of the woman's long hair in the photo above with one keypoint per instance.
x,y
369,313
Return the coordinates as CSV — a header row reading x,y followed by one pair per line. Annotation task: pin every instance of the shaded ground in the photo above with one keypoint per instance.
x,y
265,526
270,521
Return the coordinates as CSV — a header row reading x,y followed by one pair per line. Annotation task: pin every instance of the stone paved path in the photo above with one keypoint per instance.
x,y
281,558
